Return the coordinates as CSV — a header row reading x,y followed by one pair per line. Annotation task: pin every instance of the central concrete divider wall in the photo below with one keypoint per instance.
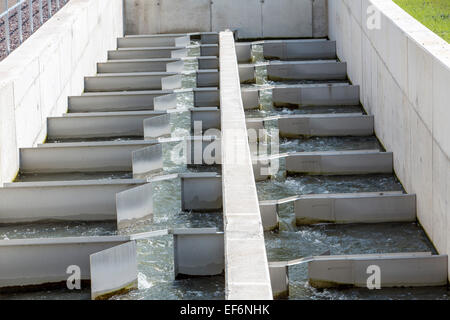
x,y
246,267
37,78
251,18
403,70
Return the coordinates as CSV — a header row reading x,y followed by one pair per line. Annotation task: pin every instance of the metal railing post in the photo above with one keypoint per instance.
x,y
30,8
49,5
8,41
41,13
20,22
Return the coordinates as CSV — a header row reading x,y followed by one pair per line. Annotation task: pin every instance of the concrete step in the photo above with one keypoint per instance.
x,y
123,101
204,37
324,95
83,157
141,65
299,49
207,78
244,51
355,208
148,53
208,117
89,200
132,81
402,270
314,70
326,125
209,50
102,125
340,162
174,40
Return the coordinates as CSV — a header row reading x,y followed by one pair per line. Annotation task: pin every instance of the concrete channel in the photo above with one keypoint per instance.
x,y
293,76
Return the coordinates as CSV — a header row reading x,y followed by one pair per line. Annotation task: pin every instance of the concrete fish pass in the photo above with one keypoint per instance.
x,y
156,156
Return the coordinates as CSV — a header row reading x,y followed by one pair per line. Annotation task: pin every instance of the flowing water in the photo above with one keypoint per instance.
x,y
155,256
293,242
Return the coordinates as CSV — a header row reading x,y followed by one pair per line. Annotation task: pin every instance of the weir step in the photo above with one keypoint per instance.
x,y
141,65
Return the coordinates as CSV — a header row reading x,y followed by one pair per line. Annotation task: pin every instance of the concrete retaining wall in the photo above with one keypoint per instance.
x,y
403,70
37,78
251,18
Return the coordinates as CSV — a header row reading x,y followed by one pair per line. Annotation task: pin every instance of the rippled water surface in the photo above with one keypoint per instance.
x,y
155,256
293,242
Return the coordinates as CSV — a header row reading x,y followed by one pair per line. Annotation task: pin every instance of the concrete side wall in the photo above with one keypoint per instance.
x,y
403,70
246,267
252,18
37,78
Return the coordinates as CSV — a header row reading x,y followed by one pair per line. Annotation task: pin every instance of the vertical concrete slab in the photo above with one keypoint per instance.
x,y
148,159
297,12
201,192
198,252
184,16
246,267
134,205
156,127
243,16
114,271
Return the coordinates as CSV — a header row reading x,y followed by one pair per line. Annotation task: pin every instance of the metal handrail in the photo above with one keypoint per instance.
x,y
16,10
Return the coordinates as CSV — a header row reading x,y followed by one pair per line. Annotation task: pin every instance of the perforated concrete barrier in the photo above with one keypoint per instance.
x,y
340,163
123,101
320,95
132,81
141,65
198,252
148,53
299,49
311,70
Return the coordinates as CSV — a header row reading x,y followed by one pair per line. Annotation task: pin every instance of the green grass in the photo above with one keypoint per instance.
x,y
434,14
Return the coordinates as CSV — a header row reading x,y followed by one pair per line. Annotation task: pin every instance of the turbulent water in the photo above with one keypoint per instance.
x,y
155,256
292,242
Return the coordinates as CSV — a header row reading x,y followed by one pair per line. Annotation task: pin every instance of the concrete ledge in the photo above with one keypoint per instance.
x,y
326,125
99,125
316,70
246,268
340,163
299,49
148,53
175,40
316,96
64,201
355,208
132,81
141,65
80,157
123,101
396,271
